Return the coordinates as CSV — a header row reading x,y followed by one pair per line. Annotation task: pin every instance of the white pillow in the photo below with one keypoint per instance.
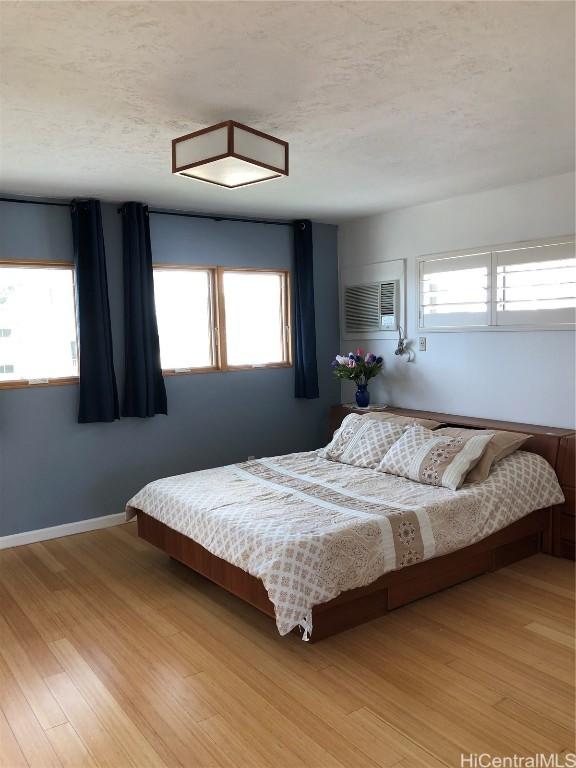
x,y
362,442
425,457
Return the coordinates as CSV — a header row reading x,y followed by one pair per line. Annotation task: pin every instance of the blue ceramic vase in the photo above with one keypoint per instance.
x,y
362,396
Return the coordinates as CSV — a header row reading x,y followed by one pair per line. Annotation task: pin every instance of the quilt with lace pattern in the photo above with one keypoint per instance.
x,y
311,528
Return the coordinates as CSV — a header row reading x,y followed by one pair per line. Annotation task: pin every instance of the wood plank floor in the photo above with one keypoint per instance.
x,y
113,655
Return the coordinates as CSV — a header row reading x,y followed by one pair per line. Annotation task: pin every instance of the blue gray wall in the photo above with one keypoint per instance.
x,y
54,471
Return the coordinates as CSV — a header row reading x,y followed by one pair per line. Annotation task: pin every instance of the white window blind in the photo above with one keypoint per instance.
x,y
536,285
455,291
518,285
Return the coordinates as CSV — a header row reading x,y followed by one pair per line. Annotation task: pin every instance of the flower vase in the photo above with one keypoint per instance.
x,y
362,396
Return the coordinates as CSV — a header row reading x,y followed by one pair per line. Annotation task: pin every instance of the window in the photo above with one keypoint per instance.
x,y
525,285
185,313
455,291
536,284
37,322
216,318
255,318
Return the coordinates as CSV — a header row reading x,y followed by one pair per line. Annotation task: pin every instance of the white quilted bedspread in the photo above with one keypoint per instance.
x,y
310,528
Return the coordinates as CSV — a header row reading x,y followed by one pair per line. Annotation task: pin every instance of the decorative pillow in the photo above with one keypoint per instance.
x,y
501,445
423,456
362,442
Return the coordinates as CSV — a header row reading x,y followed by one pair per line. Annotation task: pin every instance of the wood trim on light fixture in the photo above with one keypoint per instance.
x,y
231,186
281,171
230,125
210,128
187,136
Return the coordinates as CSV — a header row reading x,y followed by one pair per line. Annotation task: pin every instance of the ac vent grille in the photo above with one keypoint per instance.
x,y
387,299
371,307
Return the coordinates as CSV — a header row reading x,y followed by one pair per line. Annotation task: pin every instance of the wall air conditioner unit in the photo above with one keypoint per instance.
x,y
371,308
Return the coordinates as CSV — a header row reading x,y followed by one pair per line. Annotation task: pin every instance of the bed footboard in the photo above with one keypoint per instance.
x,y
356,606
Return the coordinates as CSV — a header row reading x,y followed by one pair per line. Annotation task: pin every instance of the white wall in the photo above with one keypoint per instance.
x,y
525,376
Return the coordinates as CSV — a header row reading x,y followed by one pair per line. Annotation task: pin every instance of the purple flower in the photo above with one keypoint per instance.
x,y
370,358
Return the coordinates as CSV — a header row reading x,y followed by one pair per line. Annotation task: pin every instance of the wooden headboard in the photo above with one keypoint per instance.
x,y
557,446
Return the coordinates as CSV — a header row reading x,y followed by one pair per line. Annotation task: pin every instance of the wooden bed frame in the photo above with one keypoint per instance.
x,y
527,536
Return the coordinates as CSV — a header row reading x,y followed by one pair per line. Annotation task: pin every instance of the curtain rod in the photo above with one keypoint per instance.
x,y
211,216
216,217
32,202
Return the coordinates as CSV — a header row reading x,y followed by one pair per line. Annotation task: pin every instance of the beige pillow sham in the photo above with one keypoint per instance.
x,y
362,442
432,459
501,445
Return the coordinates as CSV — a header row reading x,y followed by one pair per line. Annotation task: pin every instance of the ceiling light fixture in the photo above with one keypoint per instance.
x,y
230,154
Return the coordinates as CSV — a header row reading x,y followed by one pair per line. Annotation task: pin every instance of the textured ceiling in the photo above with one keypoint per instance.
x,y
385,104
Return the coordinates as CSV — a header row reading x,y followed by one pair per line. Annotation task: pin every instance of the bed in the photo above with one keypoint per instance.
x,y
322,546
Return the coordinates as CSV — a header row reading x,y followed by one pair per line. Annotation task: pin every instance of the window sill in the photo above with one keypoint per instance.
x,y
497,328
26,384
189,371
256,367
224,369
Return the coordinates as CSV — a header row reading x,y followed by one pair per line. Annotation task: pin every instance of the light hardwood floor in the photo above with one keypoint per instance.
x,y
113,655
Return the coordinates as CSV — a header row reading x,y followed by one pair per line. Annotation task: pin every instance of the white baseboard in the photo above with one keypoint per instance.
x,y
56,531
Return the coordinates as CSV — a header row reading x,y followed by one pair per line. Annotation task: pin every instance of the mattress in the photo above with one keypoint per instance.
x,y
310,528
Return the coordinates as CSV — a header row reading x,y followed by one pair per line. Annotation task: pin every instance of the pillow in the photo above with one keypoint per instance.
x,y
362,442
501,445
398,419
424,456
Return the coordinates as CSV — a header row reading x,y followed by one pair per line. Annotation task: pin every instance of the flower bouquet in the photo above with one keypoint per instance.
x,y
359,368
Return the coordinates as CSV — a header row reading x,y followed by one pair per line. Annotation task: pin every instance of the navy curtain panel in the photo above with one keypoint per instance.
x,y
144,391
98,392
305,366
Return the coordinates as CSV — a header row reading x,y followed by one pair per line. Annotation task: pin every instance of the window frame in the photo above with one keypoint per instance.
x,y
213,307
483,255
218,318
48,381
491,327
285,308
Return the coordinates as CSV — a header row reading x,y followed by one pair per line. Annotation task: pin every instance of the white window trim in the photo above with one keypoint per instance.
x,y
492,328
